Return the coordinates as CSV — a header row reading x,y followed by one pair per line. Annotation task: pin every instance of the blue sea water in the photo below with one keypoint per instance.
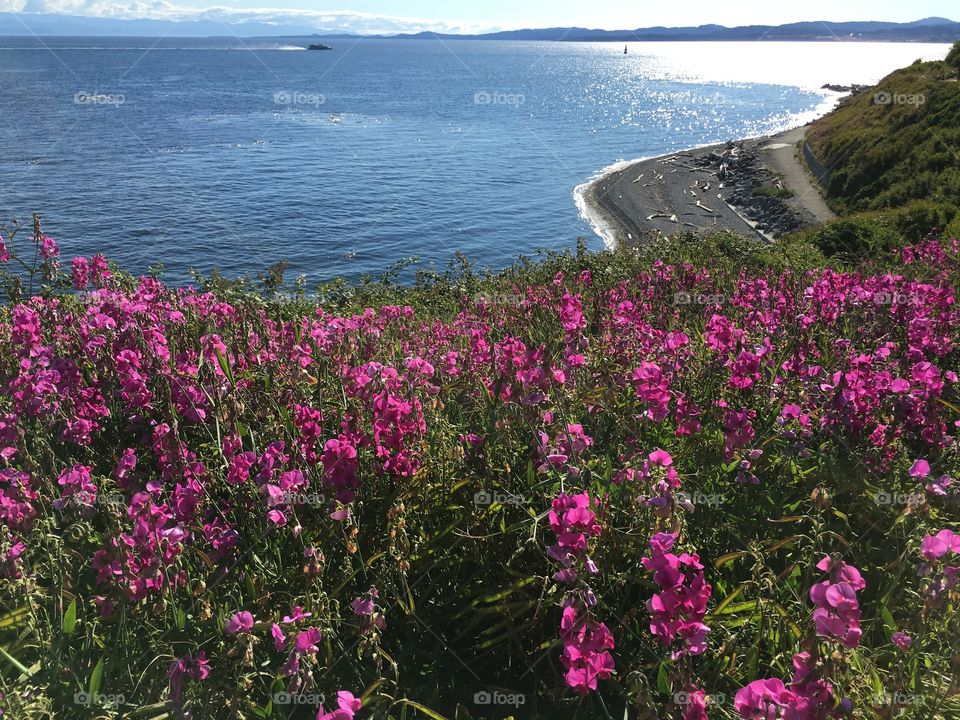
x,y
236,153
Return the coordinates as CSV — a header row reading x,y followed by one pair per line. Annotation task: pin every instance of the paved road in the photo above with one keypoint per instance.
x,y
780,155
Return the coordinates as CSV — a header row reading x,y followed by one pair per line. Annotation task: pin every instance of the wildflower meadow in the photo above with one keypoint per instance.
x,y
704,479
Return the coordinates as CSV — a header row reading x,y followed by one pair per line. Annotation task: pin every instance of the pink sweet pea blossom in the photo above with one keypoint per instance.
x,y
837,613
934,547
307,642
190,667
763,700
901,640
348,706
296,614
241,622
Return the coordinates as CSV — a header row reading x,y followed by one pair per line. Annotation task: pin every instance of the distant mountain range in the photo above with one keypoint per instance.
x,y
927,30
934,29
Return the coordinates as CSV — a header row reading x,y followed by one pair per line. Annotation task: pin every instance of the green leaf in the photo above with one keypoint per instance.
x,y
70,618
729,558
949,405
888,620
16,663
734,608
13,617
224,365
784,542
663,681
417,706
794,628
96,678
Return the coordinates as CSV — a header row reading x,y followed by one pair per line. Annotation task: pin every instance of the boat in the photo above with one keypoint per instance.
x,y
319,46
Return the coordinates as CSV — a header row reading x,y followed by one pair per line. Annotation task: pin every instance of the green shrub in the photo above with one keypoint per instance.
x,y
953,59
854,238
915,220
868,234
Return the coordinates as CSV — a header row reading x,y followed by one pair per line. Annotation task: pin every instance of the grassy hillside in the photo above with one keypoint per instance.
x,y
896,143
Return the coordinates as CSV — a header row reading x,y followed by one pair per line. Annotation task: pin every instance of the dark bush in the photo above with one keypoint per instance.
x,y
953,59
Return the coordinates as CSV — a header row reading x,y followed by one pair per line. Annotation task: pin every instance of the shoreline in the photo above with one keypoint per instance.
x,y
754,186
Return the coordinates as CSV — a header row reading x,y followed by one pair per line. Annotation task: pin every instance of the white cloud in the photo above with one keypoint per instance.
x,y
339,21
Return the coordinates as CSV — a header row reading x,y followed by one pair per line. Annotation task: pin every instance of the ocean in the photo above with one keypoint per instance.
x,y
237,153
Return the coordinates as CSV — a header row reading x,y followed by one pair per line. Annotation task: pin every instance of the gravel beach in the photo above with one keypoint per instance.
x,y
753,187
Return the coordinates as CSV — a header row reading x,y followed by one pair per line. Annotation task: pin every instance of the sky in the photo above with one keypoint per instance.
x,y
485,15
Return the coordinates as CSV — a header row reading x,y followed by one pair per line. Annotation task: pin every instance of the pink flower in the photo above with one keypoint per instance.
x,y
81,273
900,386
901,640
837,613
348,706
308,642
745,370
296,614
347,701
934,547
240,622
571,313
920,469
696,707
573,522
279,639
48,248
126,465
78,488
677,611
939,486
365,607
190,667
362,606
763,700
585,650
661,458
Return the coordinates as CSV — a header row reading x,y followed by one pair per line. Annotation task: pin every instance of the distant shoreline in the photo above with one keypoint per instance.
x,y
926,30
